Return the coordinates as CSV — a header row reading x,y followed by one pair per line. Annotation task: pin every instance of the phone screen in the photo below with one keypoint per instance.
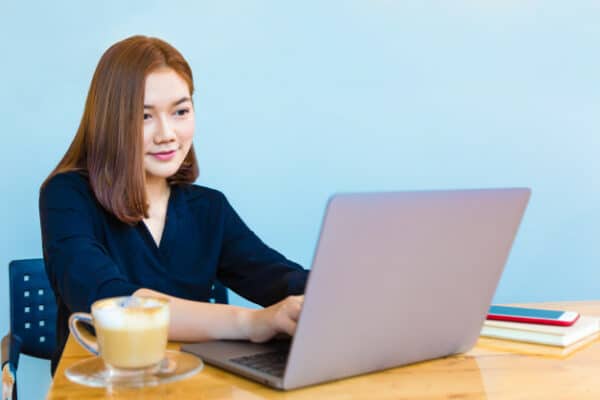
x,y
526,312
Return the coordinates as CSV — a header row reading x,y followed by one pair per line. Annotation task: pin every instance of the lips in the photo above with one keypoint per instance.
x,y
164,155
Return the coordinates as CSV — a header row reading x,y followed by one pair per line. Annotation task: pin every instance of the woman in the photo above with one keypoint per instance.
x,y
120,215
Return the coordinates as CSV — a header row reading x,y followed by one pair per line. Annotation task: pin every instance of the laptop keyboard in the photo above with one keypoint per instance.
x,y
272,363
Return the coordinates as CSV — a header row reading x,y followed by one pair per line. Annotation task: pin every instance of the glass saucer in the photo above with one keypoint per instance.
x,y
175,366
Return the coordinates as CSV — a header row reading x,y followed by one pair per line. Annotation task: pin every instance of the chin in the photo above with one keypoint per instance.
x,y
162,172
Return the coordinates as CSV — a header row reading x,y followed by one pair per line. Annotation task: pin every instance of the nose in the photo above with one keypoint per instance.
x,y
165,132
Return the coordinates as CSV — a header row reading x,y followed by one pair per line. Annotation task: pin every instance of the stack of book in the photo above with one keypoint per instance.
x,y
561,336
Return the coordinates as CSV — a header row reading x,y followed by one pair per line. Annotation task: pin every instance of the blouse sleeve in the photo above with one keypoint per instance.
x,y
251,268
78,265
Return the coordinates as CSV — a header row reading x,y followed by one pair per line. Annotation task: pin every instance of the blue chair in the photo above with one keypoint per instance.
x,y
219,294
33,317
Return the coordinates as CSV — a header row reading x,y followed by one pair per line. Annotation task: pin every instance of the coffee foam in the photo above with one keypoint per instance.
x,y
131,313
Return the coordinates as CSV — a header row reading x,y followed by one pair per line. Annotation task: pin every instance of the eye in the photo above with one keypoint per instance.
x,y
147,116
182,112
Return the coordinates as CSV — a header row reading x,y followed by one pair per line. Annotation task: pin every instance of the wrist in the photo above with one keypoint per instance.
x,y
244,319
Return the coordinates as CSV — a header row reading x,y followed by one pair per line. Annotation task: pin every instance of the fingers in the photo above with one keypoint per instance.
x,y
278,318
289,313
293,306
296,300
288,326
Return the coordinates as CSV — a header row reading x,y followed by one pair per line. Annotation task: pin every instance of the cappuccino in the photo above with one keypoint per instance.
x,y
131,332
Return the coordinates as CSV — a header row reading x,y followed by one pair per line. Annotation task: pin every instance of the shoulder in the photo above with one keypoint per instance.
x,y
67,185
69,178
197,195
197,192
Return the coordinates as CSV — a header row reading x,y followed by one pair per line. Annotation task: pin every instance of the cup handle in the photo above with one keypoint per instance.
x,y
83,337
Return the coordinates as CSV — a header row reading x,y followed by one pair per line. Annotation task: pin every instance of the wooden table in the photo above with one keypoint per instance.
x,y
494,369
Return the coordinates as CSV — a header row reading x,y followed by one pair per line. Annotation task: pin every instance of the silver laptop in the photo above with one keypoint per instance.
x,y
396,278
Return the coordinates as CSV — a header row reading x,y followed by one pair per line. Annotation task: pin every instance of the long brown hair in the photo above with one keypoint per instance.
x,y
108,146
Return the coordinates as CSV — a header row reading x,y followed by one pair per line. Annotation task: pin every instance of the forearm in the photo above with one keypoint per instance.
x,y
198,321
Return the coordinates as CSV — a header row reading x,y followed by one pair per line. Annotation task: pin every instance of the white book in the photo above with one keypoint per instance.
x,y
562,336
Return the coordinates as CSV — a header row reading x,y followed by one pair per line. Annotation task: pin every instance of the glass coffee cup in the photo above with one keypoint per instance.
x,y
131,333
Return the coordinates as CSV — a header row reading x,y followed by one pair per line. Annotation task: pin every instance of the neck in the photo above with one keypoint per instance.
x,y
156,188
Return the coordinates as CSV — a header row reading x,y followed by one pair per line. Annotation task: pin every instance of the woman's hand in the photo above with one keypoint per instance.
x,y
281,317
227,322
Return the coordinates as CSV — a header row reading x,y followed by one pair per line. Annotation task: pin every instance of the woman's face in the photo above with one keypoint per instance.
x,y
168,123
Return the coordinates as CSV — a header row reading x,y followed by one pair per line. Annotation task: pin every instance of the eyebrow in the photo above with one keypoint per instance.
x,y
175,103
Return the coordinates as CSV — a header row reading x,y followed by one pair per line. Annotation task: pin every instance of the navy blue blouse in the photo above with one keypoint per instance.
x,y
89,254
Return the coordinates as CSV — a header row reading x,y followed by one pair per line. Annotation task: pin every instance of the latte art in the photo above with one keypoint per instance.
x,y
138,314
132,332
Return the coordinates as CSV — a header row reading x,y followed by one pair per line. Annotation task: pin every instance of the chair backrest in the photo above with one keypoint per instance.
x,y
32,308
219,293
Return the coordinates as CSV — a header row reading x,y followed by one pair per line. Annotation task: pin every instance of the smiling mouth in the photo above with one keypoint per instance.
x,y
163,152
163,155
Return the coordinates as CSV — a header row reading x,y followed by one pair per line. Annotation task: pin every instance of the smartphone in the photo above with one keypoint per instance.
x,y
533,315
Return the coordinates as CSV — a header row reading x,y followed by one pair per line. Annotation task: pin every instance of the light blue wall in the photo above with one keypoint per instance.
x,y
297,100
